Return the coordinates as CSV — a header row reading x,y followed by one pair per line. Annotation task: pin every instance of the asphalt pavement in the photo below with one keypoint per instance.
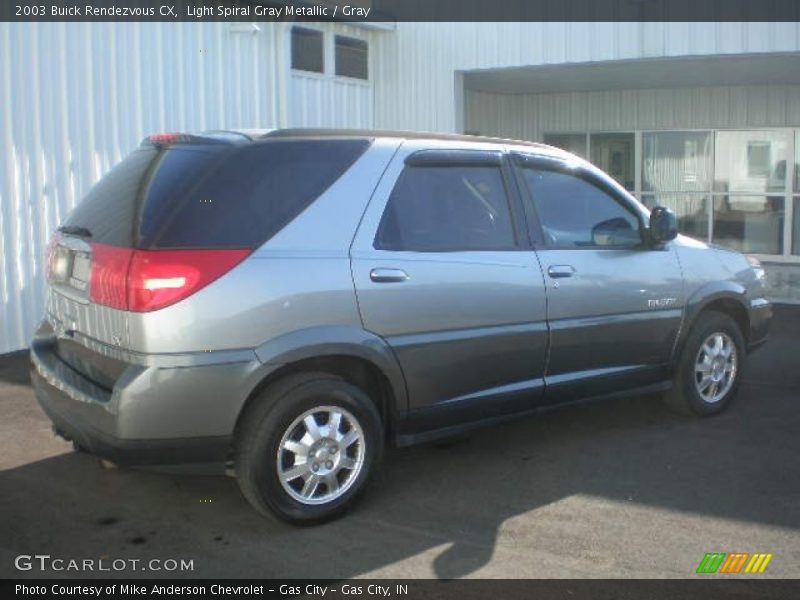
x,y
622,488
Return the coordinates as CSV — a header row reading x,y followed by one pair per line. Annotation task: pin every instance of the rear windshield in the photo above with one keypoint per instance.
x,y
211,196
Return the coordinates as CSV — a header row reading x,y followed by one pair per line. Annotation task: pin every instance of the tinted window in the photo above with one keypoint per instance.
x,y
220,196
447,209
245,195
575,213
351,57
108,211
307,52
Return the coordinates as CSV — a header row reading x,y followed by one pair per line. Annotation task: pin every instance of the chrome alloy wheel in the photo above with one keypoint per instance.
x,y
321,455
715,367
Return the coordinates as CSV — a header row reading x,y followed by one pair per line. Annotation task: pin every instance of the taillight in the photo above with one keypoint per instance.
x,y
110,266
159,278
147,280
51,257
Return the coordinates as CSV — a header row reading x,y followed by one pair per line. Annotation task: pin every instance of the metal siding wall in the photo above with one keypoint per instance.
x,y
414,83
530,116
327,102
77,98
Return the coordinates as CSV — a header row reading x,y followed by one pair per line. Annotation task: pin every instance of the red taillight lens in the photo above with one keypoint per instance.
x,y
158,278
109,279
147,280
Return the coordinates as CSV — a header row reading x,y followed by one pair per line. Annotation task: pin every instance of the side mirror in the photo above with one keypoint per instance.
x,y
663,225
615,232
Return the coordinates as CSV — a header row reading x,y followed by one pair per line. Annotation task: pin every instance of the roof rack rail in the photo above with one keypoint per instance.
x,y
415,135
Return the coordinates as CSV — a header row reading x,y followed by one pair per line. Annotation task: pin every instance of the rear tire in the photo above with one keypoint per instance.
x,y
307,447
710,367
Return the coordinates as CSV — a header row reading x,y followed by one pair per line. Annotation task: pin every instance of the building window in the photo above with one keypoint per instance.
x,y
571,142
796,227
797,162
758,159
796,199
614,153
749,223
751,161
351,57
676,173
307,50
676,161
750,186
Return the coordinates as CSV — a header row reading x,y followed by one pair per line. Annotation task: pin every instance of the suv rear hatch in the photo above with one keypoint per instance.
x,y
173,216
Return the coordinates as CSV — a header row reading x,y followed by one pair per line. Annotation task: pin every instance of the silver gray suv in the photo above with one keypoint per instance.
x,y
286,303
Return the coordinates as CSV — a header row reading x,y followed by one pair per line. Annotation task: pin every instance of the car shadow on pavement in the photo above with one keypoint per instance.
x,y
14,368
440,511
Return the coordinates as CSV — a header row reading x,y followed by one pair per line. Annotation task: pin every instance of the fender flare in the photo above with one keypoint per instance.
x,y
316,342
700,299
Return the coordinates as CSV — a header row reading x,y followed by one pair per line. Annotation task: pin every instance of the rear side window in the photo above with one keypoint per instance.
x,y
246,195
212,196
447,208
108,211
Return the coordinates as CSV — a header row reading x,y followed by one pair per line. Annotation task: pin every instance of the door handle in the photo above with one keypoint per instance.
x,y
388,275
558,271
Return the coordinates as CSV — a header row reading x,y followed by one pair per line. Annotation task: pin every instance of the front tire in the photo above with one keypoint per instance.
x,y
709,370
307,447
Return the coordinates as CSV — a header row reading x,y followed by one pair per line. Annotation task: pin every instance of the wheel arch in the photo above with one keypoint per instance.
x,y
728,298
357,356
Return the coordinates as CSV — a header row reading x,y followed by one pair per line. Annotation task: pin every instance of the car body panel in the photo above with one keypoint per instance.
x,y
620,311
339,341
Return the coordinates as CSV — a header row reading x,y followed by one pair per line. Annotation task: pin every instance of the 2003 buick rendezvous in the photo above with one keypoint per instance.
x,y
289,302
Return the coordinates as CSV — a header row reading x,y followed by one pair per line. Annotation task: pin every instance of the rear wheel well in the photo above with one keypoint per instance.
x,y
356,371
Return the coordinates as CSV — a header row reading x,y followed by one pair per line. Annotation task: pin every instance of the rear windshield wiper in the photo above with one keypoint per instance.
x,y
75,230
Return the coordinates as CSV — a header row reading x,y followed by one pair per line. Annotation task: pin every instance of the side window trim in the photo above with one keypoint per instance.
x,y
454,158
533,225
444,158
524,238
522,161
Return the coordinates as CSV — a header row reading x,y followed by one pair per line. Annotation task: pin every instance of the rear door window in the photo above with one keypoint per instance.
x,y
447,208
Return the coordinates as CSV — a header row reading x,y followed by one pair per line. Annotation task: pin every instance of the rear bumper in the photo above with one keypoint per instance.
x,y
71,425
760,320
153,415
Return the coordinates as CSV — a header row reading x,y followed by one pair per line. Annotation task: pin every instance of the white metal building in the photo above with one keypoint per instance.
x,y
704,117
